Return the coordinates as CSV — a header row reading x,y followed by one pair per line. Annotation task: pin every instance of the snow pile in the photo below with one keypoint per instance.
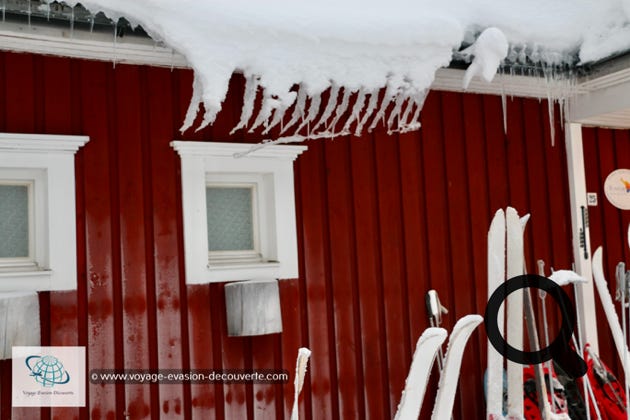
x,y
489,50
564,277
359,62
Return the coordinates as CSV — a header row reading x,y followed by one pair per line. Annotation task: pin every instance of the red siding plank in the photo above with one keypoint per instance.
x,y
167,258
321,335
343,276
132,235
372,316
101,332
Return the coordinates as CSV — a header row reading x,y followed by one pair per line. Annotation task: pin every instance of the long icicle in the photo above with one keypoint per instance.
x,y
356,110
341,109
249,97
298,111
193,107
313,110
395,112
373,102
330,107
268,106
387,98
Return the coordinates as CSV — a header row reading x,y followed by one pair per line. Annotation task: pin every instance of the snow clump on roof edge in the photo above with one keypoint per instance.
x,y
382,55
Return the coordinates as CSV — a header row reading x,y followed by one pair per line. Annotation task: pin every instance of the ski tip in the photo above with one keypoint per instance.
x,y
472,319
524,220
304,352
499,213
511,210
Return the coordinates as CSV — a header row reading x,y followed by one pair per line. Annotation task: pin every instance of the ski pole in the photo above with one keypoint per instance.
x,y
542,295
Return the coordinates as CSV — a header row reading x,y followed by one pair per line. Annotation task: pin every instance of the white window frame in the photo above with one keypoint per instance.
x,y
271,168
46,161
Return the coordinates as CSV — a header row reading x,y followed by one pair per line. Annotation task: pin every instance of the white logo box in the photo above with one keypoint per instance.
x,y
51,376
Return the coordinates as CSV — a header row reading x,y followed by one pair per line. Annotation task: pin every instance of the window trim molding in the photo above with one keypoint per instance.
x,y
54,156
200,158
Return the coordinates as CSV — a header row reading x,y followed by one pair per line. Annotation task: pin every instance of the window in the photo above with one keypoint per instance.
x,y
37,207
21,235
239,213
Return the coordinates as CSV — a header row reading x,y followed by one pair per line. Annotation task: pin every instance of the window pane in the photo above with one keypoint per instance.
x,y
230,218
14,221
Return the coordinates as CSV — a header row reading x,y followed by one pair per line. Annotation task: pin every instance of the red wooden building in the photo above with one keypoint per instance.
x,y
381,219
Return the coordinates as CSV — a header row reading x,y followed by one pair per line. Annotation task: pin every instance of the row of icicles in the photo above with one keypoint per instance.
x,y
336,112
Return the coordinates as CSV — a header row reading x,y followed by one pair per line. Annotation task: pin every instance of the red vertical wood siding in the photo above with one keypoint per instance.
x,y
605,151
381,220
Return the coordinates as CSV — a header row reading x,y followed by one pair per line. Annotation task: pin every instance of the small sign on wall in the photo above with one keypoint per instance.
x,y
617,188
591,199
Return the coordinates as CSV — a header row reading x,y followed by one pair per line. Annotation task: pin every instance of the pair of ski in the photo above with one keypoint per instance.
x,y
506,261
427,349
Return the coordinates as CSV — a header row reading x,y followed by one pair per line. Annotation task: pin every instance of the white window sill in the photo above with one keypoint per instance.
x,y
231,272
27,280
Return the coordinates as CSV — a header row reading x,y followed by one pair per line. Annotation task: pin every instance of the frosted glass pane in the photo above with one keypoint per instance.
x,y
230,219
13,221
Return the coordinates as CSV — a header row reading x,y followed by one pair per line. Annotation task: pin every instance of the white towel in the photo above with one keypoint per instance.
x,y
19,321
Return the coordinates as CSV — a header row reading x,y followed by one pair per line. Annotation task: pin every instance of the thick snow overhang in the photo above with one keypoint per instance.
x,y
602,97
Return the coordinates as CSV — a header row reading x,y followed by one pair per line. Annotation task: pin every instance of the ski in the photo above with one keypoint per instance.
x,y
609,310
514,328
496,276
443,406
415,385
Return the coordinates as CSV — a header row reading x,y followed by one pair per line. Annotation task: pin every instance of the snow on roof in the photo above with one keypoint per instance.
x,y
375,60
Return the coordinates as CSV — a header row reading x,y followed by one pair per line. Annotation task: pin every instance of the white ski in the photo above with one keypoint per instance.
x,y
443,406
416,383
496,276
609,310
514,328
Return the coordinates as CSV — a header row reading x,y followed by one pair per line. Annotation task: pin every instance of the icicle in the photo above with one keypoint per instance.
x,y
4,9
552,126
356,110
28,13
504,109
368,112
387,98
313,110
193,108
267,107
280,112
403,122
298,110
249,97
71,23
48,12
91,23
330,107
400,99
116,43
341,109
